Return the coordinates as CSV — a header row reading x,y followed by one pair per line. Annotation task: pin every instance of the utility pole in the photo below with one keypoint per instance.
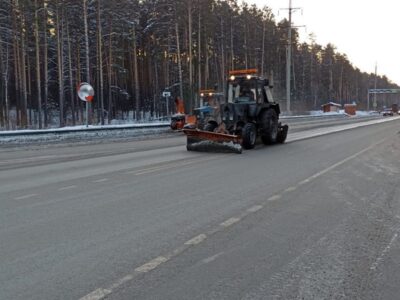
x,y
376,74
85,21
289,57
289,60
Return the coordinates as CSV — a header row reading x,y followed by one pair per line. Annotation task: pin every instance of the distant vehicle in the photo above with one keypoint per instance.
x,y
180,119
208,112
387,112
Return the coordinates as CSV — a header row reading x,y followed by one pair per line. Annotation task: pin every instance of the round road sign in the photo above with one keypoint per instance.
x,y
85,92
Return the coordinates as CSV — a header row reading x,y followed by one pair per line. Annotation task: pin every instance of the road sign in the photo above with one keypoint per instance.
x,y
384,91
85,92
166,94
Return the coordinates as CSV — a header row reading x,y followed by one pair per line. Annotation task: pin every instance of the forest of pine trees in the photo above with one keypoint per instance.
x,y
131,50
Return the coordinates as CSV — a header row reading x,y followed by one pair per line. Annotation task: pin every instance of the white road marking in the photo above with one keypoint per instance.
x,y
334,166
136,171
274,198
25,197
169,166
151,265
255,208
384,252
291,189
102,293
100,180
212,258
196,240
28,159
121,282
304,181
97,294
147,171
319,132
67,188
230,222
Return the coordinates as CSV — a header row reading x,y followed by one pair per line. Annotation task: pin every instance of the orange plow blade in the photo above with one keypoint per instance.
x,y
205,141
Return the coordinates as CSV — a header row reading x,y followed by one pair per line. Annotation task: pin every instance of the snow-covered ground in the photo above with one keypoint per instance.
x,y
359,113
88,128
82,134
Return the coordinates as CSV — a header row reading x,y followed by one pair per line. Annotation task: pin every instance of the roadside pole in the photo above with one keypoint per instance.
x,y
167,94
86,93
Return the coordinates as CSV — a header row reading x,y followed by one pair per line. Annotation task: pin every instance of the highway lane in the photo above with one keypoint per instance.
x,y
335,237
84,224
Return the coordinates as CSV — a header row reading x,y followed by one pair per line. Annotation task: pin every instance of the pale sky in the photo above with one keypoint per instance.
x,y
368,31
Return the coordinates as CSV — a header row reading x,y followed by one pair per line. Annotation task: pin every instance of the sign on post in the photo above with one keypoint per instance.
x,y
166,94
380,91
86,93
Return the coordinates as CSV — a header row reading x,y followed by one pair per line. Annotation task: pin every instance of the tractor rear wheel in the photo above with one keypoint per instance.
x,y
269,121
249,136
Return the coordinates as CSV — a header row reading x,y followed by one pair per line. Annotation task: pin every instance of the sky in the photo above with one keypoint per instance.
x,y
368,31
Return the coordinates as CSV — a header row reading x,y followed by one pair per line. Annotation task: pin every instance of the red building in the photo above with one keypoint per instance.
x,y
331,107
350,109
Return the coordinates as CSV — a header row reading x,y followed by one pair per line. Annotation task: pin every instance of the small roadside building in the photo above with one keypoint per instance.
x,y
350,109
331,107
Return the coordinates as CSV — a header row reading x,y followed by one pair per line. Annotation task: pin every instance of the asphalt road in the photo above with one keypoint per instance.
x,y
316,218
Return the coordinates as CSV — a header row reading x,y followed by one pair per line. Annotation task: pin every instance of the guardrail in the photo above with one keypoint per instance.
x,y
160,125
68,130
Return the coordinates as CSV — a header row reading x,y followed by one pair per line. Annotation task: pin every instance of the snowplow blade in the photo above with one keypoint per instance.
x,y
205,141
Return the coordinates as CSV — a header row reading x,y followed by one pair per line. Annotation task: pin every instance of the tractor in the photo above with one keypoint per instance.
x,y
248,113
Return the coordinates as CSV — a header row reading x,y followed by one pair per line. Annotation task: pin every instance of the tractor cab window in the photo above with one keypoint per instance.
x,y
242,90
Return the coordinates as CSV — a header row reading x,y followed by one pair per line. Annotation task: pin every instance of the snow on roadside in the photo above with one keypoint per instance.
x,y
83,127
321,113
91,136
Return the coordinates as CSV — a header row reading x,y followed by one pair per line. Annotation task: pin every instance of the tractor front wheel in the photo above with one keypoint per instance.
x,y
249,136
